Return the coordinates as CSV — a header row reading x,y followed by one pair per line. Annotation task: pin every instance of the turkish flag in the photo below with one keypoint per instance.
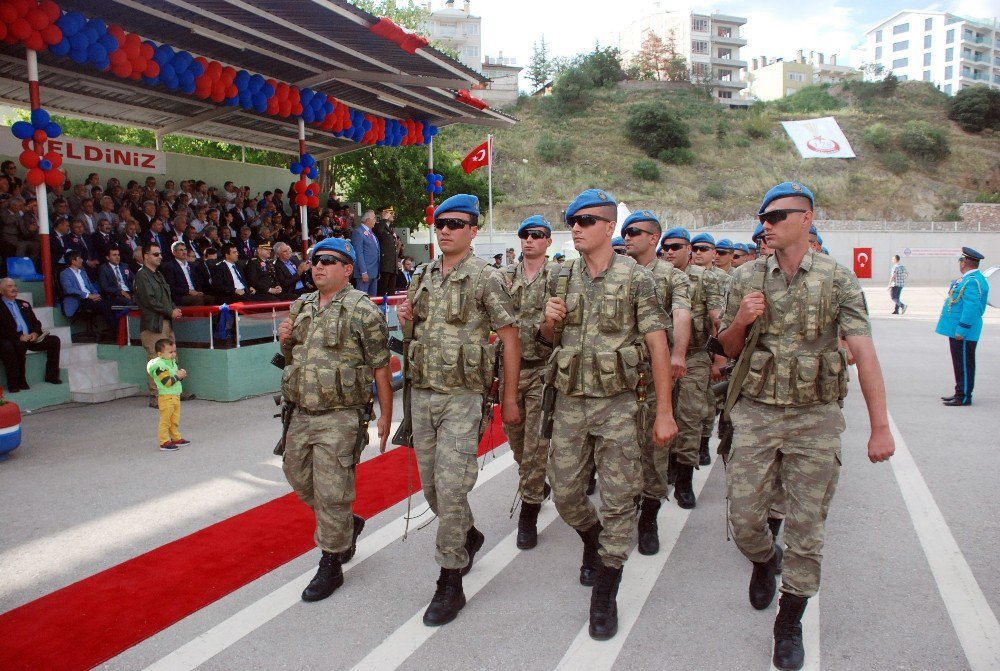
x,y
863,262
477,158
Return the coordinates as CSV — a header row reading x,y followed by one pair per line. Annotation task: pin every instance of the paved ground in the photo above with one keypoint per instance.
x,y
911,577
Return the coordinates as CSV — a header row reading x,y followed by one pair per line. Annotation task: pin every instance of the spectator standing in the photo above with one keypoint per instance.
x,y
961,321
21,331
156,308
369,256
388,260
166,375
897,280
405,274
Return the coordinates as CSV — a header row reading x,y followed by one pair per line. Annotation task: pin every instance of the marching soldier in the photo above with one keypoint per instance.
x,y
454,302
335,343
787,310
607,330
724,255
642,231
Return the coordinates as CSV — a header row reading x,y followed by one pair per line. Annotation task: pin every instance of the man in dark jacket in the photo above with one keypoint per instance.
x,y
388,262
156,309
261,275
21,331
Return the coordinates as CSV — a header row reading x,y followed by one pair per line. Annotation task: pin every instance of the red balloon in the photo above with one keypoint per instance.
x,y
119,56
35,42
52,34
131,50
228,74
214,69
313,201
146,50
232,91
35,177
312,190
285,108
123,70
54,158
40,136
21,29
299,186
152,69
8,13
218,95
22,6
114,30
429,214
36,18
3,31
29,159
54,178
301,199
273,106
297,108
51,10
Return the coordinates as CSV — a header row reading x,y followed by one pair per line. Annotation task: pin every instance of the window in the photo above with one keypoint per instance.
x,y
878,35
901,28
927,59
725,32
949,54
700,69
878,53
725,94
900,63
927,75
928,23
470,52
948,72
903,78
796,77
927,41
699,25
949,37
947,89
726,75
471,28
901,46
726,53
699,47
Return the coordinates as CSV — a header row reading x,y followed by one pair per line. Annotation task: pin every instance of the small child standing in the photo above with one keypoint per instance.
x,y
167,376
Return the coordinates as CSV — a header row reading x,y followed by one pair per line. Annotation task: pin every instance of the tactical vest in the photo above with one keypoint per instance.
x,y
601,350
450,351
798,361
701,321
664,292
528,301
328,369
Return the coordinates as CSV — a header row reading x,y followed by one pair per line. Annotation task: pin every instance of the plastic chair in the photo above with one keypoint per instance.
x,y
22,268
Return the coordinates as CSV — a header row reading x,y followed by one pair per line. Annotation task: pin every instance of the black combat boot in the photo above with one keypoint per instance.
x,y
328,578
592,483
764,580
591,544
448,598
527,526
603,606
473,541
788,651
774,524
649,540
704,458
348,555
671,470
683,491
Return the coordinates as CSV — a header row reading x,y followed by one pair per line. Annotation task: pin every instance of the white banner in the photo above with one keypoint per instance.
x,y
948,252
93,154
819,138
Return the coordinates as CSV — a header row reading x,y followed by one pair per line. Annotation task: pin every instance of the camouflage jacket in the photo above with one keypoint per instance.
x,y
528,301
673,290
707,293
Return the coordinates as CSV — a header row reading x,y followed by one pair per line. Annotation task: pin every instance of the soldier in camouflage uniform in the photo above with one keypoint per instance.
x,y
607,328
527,282
335,343
788,419
454,302
724,255
692,396
642,231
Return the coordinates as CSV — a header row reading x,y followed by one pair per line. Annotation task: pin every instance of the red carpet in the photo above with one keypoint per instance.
x,y
88,622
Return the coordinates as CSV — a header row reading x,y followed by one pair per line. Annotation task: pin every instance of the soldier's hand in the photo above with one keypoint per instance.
x,y
384,426
664,430
510,413
285,332
678,366
716,373
555,310
751,307
404,311
881,445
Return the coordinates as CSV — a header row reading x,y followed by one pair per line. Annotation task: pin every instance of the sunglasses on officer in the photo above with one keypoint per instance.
x,y
702,248
585,220
452,224
777,216
327,260
674,246
633,231
534,234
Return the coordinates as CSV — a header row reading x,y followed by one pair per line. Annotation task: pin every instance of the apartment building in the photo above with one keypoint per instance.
x,y
770,79
951,51
457,29
710,43
504,86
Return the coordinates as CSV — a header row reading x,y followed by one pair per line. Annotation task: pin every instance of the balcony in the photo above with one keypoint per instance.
x,y
734,40
728,62
726,18
982,40
729,84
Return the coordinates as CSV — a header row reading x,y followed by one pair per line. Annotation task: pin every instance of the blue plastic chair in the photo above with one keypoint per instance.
x,y
22,268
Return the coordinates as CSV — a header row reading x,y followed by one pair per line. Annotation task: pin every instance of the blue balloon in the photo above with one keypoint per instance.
x,y
60,48
98,25
108,42
163,54
45,165
182,61
296,168
196,68
188,87
313,173
90,33
257,83
39,118
22,130
242,79
97,53
78,56
78,42
52,129
151,81
308,160
233,102
260,107
305,95
185,79
269,91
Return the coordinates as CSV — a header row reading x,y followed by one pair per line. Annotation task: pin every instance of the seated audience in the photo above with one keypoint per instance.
x,y
21,331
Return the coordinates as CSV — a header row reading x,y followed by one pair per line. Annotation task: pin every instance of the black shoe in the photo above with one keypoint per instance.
x,y
527,526
448,598
13,389
950,398
789,654
23,384
894,312
348,555
959,400
649,540
592,484
704,458
603,606
473,541
683,491
774,524
671,470
764,580
328,578
591,544
55,379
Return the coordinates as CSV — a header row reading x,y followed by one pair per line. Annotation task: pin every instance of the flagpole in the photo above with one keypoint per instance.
x,y
489,181
430,227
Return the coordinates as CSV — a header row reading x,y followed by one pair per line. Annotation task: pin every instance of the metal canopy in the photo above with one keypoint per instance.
x,y
323,44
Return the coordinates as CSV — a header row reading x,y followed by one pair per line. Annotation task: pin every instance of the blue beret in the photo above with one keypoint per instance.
x,y
825,251
740,247
535,221
752,247
972,254
640,215
812,230
617,241
724,243
677,232
558,255
336,245
758,231
819,239
784,190
703,238
462,202
590,198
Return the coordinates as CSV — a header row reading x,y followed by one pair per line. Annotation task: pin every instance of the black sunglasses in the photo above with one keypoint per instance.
x,y
452,224
585,220
702,248
533,234
674,246
738,256
633,231
327,260
777,216
723,252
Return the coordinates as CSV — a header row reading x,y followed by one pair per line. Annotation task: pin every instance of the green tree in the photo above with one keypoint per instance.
x,y
652,57
675,69
924,140
975,108
407,14
603,66
653,128
540,68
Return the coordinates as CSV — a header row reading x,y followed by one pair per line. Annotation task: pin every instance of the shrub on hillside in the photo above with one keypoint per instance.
x,y
603,66
878,137
645,168
976,108
896,162
677,156
714,191
653,128
924,141
757,127
571,92
554,150
809,99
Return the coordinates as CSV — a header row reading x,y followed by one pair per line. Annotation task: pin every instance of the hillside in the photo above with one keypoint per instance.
x,y
737,159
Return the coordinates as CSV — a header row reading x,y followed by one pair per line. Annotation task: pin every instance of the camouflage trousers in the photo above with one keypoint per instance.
x,y
713,406
319,463
446,440
691,409
655,460
599,431
792,450
529,448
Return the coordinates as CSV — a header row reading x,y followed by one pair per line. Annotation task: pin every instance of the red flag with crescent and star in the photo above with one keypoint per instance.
x,y
863,262
477,158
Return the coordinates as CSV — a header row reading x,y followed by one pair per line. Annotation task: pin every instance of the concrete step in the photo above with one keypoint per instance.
x,y
92,375
27,296
74,355
65,337
104,393
44,316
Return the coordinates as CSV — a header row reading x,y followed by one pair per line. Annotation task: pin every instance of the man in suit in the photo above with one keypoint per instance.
x,y
80,294
261,275
961,321
21,331
245,246
146,217
104,239
87,216
202,273
184,285
79,241
405,274
228,281
289,271
59,243
369,256
115,279
155,235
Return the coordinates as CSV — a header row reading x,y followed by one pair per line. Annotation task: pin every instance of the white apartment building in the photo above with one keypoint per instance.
x,y
457,29
951,51
710,43
504,86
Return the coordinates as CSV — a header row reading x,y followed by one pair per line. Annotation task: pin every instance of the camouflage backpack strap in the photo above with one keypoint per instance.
x,y
562,290
759,281
416,283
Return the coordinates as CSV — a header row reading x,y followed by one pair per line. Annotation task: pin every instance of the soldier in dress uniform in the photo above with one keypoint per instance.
x,y
787,419
335,342
962,321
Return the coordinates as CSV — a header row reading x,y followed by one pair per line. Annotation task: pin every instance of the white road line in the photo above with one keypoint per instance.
x,y
810,635
229,631
403,642
641,573
975,623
